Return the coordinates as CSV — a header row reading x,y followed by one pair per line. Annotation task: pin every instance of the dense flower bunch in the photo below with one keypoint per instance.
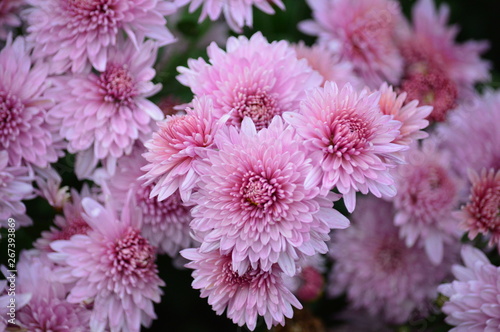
x,y
278,172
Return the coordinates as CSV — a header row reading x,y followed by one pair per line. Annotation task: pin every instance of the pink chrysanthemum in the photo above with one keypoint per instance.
x,y
106,112
179,141
246,295
165,224
408,112
113,265
474,301
254,78
253,203
352,139
24,133
428,192
378,271
74,33
362,32
238,13
471,135
309,283
9,16
482,212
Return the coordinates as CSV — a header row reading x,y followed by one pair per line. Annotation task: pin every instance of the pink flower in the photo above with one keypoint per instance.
x,y
238,13
362,32
352,140
24,133
378,272
407,112
179,141
74,34
105,113
428,192
481,213
246,295
473,297
113,266
9,16
49,182
253,204
254,78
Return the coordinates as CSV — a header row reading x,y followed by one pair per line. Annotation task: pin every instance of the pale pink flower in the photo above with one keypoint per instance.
x,y
179,141
377,271
253,78
474,301
253,203
428,193
101,115
352,139
75,34
9,16
113,266
362,32
24,133
481,213
246,295
49,182
238,13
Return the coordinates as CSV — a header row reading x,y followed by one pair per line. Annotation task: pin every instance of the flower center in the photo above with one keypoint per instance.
x,y
390,255
91,14
258,191
78,226
258,105
350,135
117,84
231,277
133,253
151,207
11,118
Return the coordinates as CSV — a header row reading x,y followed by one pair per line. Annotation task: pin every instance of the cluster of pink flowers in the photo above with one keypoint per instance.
x,y
253,181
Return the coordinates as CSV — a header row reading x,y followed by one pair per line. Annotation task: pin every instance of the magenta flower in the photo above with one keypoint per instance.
x,y
363,33
113,266
24,133
253,78
179,141
253,204
9,16
428,192
238,13
377,271
77,34
246,295
105,113
352,140
473,303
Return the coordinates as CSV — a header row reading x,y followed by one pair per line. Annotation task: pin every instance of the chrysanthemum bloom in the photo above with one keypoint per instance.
x,y
408,112
246,295
106,112
481,214
75,34
113,265
309,283
471,134
352,138
253,202
238,13
165,224
377,271
362,32
474,301
9,16
254,78
179,141
428,192
438,70
24,133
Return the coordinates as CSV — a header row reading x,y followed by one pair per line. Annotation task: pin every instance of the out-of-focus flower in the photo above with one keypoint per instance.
x,y
49,187
238,13
105,113
309,283
253,78
9,16
253,203
113,266
474,295
378,271
363,32
74,34
246,295
352,140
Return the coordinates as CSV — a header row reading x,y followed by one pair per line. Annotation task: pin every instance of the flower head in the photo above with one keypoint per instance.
x,y
253,78
246,295
351,137
9,16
